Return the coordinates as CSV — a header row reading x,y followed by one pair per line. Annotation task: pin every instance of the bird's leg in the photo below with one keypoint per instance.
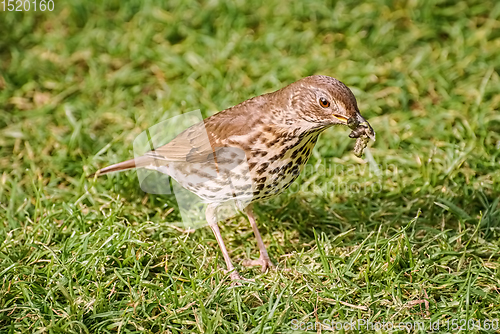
x,y
212,222
264,261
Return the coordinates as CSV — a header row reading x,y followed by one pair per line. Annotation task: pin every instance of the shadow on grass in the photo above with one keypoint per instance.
x,y
370,212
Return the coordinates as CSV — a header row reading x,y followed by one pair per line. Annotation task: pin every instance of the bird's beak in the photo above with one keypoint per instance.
x,y
341,118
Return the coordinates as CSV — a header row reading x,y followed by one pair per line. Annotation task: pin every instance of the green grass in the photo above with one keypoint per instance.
x,y
353,240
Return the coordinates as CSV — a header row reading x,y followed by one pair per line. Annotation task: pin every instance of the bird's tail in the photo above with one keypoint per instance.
x,y
124,165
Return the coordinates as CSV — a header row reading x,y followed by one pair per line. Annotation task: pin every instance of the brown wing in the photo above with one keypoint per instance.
x,y
193,145
202,141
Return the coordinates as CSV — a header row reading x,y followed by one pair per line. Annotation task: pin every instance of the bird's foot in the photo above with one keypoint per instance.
x,y
237,279
263,261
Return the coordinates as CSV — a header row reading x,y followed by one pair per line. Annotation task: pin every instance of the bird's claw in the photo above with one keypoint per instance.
x,y
237,279
264,262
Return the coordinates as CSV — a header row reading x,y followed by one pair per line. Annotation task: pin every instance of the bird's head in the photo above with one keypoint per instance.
x,y
322,101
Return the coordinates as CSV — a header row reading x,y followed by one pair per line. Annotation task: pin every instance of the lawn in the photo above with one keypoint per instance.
x,y
409,233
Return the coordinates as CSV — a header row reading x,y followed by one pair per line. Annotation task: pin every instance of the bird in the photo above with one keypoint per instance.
x,y
254,150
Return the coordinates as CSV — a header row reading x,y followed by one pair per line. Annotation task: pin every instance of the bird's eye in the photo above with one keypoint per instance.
x,y
324,102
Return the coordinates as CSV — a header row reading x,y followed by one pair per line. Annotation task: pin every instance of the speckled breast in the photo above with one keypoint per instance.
x,y
259,172
274,175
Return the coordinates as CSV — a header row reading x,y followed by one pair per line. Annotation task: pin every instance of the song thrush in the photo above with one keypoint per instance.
x,y
254,150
